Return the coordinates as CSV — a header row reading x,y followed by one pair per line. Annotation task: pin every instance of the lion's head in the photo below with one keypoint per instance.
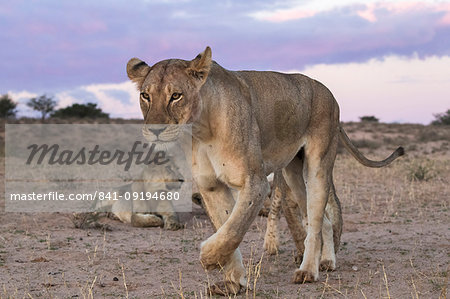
x,y
169,90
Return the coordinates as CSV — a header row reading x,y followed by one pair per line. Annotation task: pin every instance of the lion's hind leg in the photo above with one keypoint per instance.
x,y
294,204
331,231
328,256
319,156
295,211
271,240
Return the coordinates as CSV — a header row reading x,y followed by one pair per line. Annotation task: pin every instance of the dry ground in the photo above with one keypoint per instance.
x,y
395,242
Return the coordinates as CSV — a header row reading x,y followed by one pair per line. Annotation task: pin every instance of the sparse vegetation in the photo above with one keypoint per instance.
x,y
7,107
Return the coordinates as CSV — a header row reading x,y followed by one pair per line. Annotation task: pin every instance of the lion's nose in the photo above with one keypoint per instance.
x,y
156,131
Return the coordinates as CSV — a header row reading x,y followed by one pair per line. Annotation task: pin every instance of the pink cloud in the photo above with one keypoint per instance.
x,y
282,15
369,13
445,20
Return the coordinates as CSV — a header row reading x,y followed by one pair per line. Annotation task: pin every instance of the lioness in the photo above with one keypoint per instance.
x,y
246,125
148,213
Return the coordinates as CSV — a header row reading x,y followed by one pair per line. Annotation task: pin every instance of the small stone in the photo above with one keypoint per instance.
x,y
354,268
115,279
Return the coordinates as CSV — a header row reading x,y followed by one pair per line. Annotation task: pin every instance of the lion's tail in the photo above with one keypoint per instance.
x,y
360,157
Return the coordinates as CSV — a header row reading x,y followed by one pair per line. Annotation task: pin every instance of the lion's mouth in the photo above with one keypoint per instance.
x,y
160,133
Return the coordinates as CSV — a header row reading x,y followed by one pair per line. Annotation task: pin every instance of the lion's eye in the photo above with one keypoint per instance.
x,y
145,96
176,96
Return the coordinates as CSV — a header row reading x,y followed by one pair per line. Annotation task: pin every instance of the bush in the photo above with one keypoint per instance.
x,y
7,106
88,110
442,118
369,118
43,104
421,171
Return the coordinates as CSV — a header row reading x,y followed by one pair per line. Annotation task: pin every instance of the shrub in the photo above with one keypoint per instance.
x,y
421,171
442,118
7,106
369,118
88,110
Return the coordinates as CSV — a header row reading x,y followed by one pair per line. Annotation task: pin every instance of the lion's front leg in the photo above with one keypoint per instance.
x,y
219,247
218,203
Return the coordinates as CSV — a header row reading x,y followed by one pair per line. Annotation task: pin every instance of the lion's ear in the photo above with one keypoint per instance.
x,y
199,67
137,70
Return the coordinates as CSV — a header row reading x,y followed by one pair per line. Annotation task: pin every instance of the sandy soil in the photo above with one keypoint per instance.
x,y
395,242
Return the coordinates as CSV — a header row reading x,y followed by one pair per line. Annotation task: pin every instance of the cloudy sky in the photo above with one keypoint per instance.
x,y
390,59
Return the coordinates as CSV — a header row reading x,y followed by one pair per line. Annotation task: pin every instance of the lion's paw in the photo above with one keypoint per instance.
x,y
212,256
327,265
172,225
271,246
225,288
302,276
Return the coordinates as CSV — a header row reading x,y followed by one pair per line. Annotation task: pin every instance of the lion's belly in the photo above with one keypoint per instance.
x,y
277,156
282,126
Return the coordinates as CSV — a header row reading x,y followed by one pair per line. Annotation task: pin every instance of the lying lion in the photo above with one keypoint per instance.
x,y
158,178
246,125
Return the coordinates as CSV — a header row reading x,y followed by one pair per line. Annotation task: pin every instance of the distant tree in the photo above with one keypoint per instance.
x,y
44,104
88,110
441,118
7,106
369,118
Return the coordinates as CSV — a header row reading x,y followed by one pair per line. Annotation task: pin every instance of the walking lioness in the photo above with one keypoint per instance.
x,y
246,125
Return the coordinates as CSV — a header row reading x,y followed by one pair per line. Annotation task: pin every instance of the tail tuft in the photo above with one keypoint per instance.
x,y
400,151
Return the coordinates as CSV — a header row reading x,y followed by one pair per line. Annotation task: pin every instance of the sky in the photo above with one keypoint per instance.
x,y
390,59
